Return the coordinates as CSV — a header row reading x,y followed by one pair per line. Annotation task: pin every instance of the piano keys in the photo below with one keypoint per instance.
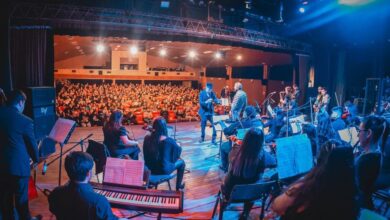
x,y
150,200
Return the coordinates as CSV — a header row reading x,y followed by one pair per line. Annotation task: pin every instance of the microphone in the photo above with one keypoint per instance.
x,y
44,168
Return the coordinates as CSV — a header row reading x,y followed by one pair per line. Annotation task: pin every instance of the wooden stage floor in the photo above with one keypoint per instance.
x,y
202,182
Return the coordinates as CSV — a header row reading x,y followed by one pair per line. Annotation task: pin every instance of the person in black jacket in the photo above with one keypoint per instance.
x,y
17,146
162,153
76,199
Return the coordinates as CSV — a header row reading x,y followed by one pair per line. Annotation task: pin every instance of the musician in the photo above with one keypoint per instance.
x,y
17,146
274,126
76,199
116,138
351,113
225,92
162,153
368,160
322,101
206,99
337,122
296,91
239,102
249,121
287,99
248,165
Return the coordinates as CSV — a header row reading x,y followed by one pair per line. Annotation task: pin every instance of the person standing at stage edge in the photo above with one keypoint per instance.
x,y
240,101
206,99
17,146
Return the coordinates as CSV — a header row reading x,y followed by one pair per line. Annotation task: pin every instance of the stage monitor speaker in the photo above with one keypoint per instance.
x,y
41,108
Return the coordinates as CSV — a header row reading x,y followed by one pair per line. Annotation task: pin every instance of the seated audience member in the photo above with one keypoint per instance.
x,y
76,199
116,139
327,192
248,165
383,180
324,128
337,122
162,153
274,126
249,121
368,160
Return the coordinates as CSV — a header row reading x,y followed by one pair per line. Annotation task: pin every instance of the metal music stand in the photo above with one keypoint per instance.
x,y
217,119
61,133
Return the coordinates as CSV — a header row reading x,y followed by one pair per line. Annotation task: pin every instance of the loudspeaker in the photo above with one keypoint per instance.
x,y
40,107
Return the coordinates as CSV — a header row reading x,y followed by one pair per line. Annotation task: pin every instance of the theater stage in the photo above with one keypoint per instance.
x,y
202,182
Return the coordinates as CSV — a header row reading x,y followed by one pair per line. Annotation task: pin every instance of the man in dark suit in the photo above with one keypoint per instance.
x,y
76,199
17,146
206,99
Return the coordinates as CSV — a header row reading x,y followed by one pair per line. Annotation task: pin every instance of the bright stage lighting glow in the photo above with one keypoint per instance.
x,y
302,10
218,55
133,50
100,48
355,2
239,57
163,52
192,54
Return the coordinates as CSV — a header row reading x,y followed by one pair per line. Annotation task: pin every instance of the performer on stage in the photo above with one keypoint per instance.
x,y
76,199
206,99
296,92
225,92
116,139
322,101
239,102
17,146
162,153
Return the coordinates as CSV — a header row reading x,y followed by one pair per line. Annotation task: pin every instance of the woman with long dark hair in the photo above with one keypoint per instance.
x,y
327,192
116,139
162,153
248,165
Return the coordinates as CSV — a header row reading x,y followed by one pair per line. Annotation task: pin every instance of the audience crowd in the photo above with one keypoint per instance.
x,y
91,104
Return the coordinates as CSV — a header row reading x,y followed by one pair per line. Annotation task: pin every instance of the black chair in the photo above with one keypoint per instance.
x,y
245,193
383,200
155,180
99,153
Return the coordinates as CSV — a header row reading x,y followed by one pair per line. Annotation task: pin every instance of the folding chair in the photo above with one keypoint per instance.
x,y
245,193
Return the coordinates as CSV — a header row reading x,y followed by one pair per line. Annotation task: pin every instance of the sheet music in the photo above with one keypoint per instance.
x,y
270,110
62,130
349,135
295,128
124,172
294,155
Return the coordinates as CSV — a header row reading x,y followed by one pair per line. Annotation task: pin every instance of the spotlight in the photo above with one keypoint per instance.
x,y
192,54
163,52
218,55
302,10
239,57
100,48
133,50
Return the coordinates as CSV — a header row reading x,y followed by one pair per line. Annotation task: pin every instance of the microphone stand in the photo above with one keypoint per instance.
x,y
81,142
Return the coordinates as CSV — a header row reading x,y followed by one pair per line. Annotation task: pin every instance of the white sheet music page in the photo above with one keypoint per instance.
x,y
124,172
294,155
349,135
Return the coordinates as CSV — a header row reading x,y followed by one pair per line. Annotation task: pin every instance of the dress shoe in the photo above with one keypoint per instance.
x,y
181,187
201,140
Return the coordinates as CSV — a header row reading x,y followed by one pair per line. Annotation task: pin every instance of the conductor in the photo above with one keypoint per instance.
x,y
17,146
206,99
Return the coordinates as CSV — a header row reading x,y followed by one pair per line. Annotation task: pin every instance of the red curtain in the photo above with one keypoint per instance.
x,y
32,56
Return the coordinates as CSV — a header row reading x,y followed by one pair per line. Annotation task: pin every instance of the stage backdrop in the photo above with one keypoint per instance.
x,y
32,59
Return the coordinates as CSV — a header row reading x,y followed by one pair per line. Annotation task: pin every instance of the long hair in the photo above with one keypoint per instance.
x,y
115,120
247,159
329,190
159,128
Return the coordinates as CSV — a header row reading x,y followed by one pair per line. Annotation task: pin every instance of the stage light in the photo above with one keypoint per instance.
x,y
133,50
163,52
192,54
218,55
302,10
239,57
355,2
100,48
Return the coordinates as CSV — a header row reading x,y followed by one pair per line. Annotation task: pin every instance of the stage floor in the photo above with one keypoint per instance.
x,y
202,182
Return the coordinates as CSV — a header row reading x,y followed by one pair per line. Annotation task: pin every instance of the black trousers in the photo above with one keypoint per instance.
x,y
180,167
14,194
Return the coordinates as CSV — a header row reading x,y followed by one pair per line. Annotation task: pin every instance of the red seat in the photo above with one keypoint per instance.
x,y
139,118
171,116
156,114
